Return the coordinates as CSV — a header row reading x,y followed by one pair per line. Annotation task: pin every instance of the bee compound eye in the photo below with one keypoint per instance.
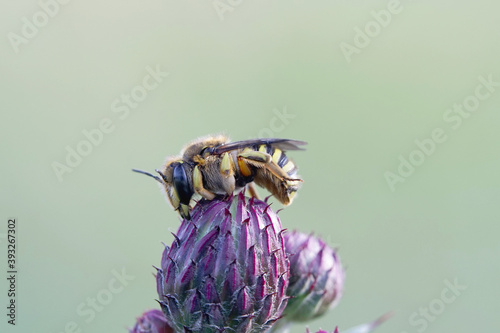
x,y
181,183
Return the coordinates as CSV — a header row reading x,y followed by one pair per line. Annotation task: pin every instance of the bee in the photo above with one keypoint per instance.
x,y
213,165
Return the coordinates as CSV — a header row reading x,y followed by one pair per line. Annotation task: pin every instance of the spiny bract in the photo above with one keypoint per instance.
x,y
226,269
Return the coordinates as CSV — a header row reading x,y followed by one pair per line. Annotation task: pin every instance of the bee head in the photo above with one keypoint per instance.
x,y
177,181
182,181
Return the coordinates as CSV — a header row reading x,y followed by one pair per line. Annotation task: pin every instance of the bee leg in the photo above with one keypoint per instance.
x,y
198,185
257,156
226,166
227,172
173,197
253,190
264,160
184,211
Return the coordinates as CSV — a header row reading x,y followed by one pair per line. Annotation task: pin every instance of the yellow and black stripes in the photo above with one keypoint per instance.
x,y
280,158
288,187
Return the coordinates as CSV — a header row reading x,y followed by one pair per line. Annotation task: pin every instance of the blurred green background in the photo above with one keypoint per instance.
x,y
249,69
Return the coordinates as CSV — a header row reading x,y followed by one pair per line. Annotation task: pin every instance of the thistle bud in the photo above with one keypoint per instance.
x,y
226,269
152,321
316,277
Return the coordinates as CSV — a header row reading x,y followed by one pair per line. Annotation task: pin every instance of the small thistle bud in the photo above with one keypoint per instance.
x,y
316,277
152,321
226,269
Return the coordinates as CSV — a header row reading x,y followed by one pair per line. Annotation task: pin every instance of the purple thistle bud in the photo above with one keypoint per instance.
x,y
152,321
316,277
226,269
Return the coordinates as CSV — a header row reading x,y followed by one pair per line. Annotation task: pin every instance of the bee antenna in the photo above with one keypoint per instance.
x,y
158,179
162,175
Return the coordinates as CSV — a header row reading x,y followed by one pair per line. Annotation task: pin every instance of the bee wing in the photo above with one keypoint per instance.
x,y
283,144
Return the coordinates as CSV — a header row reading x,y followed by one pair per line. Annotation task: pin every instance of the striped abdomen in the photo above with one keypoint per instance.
x,y
280,158
282,182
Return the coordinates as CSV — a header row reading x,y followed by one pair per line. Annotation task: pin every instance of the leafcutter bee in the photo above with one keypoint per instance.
x,y
213,166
